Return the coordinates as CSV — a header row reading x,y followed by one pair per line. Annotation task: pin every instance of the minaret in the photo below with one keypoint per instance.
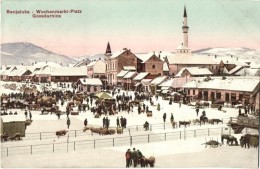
x,y
108,50
185,29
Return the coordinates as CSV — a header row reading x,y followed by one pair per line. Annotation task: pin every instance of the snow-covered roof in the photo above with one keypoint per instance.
x,y
246,84
50,64
18,72
167,83
158,80
165,67
7,70
229,60
69,71
122,73
146,81
235,69
192,59
118,53
129,68
195,71
90,81
179,82
129,75
141,75
91,64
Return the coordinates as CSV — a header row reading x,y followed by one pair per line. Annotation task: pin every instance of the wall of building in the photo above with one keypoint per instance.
x,y
154,66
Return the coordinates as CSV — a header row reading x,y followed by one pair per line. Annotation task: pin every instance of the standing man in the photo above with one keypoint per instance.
x,y
117,122
30,115
121,121
139,109
68,123
172,118
26,114
135,157
197,111
104,122
85,122
128,158
164,117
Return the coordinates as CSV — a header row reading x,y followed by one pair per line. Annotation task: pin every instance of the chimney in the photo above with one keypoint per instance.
x,y
227,61
159,56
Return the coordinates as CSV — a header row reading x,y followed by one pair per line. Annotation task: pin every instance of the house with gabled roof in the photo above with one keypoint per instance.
x,y
116,62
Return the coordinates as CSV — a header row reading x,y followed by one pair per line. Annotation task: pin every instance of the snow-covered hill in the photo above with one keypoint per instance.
x,y
91,58
252,55
28,53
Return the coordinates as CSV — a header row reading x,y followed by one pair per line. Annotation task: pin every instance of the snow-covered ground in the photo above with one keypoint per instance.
x,y
177,152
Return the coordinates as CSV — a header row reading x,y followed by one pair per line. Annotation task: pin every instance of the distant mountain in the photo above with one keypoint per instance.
x,y
91,58
241,53
28,53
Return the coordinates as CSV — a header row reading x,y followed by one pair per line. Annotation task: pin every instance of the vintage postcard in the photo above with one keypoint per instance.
x,y
130,83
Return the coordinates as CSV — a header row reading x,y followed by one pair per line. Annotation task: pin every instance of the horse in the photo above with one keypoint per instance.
x,y
245,140
185,123
217,121
229,139
203,119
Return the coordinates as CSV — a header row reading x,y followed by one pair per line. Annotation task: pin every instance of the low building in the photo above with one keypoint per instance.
x,y
68,74
89,85
227,89
194,72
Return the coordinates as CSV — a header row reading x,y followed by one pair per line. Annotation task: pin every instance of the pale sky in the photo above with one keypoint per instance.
x,y
141,25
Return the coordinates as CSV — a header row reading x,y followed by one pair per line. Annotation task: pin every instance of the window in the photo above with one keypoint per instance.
x,y
153,66
193,92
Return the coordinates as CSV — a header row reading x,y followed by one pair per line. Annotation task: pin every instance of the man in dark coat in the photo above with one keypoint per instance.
x,y
128,158
172,118
104,122
85,122
197,111
117,122
164,117
68,123
143,106
30,115
139,109
121,121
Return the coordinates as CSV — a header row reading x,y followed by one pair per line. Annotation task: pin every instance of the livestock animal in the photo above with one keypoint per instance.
x,y
96,116
104,131
195,121
151,161
203,119
210,121
149,114
217,121
229,139
253,142
146,126
212,143
119,130
174,124
95,130
61,133
4,137
28,122
185,123
245,140
112,131
86,128
16,136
